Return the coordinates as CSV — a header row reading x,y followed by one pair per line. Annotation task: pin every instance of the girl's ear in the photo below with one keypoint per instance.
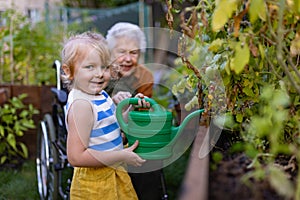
x,y
67,71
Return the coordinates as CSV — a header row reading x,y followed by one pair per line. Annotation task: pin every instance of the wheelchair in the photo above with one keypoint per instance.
x,y
54,173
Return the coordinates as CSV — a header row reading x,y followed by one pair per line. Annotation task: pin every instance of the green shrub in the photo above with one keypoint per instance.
x,y
15,119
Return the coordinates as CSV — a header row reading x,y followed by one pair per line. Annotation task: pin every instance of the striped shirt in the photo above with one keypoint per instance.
x,y
105,135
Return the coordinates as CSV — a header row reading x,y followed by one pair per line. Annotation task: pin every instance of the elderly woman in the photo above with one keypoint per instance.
x,y
126,42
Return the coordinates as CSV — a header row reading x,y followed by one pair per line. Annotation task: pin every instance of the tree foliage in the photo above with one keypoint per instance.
x,y
27,51
255,48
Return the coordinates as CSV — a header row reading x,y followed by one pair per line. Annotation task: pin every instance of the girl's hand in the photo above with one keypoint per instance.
x,y
132,158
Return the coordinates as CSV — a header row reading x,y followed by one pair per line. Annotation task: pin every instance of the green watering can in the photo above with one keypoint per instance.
x,y
153,128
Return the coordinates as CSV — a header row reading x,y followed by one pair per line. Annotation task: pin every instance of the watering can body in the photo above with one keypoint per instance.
x,y
152,128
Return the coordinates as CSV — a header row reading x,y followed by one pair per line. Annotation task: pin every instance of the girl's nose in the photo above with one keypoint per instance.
x,y
99,72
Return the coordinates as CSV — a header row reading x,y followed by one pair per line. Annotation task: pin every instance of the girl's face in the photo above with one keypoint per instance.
x,y
126,53
90,76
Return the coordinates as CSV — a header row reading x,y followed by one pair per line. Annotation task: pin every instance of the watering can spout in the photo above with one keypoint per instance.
x,y
176,131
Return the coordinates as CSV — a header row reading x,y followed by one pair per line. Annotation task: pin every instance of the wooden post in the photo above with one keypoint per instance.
x,y
195,183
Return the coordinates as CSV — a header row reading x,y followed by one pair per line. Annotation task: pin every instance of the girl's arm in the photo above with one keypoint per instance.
x,y
80,123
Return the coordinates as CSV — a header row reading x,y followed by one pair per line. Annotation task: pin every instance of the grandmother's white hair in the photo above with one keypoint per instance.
x,y
128,30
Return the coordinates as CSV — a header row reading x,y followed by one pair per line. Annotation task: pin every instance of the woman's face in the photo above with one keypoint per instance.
x,y
90,76
126,54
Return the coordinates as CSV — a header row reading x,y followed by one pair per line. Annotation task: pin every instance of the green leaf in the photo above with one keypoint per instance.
x,y
257,9
3,159
217,157
222,13
239,117
225,121
24,113
11,140
241,58
280,182
28,124
24,150
248,91
262,51
1,131
216,45
192,103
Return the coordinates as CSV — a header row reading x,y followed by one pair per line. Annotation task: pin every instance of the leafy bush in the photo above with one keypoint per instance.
x,y
15,119
27,51
254,47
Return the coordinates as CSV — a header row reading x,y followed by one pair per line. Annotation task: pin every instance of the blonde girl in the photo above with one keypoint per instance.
x,y
94,142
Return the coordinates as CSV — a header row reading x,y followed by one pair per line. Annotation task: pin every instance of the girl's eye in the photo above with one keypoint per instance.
x,y
104,67
89,67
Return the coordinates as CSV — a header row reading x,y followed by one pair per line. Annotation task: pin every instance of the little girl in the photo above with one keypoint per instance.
x,y
94,143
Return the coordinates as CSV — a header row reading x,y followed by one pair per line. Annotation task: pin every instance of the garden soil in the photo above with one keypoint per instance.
x,y
224,182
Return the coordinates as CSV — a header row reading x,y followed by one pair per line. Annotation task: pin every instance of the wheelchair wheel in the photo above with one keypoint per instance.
x,y
47,157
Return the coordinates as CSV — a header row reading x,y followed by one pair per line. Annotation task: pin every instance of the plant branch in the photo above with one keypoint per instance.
x,y
290,61
279,39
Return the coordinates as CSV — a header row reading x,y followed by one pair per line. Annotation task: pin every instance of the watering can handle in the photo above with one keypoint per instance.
x,y
131,101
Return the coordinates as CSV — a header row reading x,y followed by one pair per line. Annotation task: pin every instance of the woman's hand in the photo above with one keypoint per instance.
x,y
142,103
120,96
132,158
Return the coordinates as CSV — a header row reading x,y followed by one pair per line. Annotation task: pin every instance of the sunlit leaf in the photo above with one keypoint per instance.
x,y
225,120
280,98
294,5
257,9
216,45
24,150
261,51
248,91
3,159
192,103
239,117
241,58
11,140
222,13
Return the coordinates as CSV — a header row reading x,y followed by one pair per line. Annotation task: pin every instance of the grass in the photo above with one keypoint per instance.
x,y
20,184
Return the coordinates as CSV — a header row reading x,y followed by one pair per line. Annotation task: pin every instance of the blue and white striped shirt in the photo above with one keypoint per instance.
x,y
105,135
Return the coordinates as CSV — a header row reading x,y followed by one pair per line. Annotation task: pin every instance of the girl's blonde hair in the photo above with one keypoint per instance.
x,y
73,46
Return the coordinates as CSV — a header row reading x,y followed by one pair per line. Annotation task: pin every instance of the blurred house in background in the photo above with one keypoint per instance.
x,y
35,10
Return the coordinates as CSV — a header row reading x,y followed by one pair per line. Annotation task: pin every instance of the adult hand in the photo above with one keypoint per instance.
x,y
142,103
120,96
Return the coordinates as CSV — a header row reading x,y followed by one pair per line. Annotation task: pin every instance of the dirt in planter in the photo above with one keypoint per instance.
x,y
225,181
